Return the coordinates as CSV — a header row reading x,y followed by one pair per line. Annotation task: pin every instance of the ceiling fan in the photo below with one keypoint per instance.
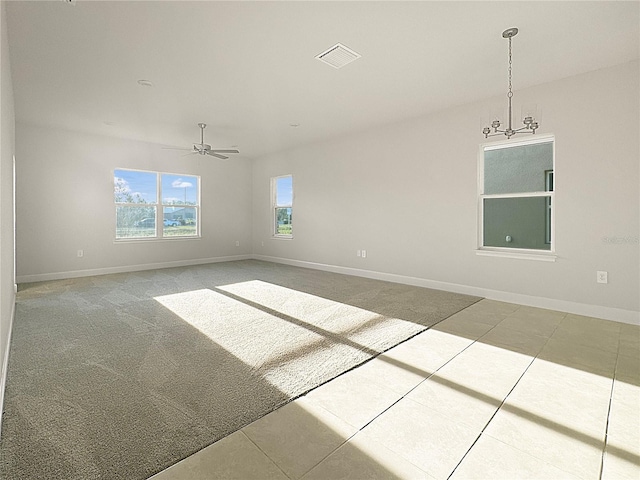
x,y
204,149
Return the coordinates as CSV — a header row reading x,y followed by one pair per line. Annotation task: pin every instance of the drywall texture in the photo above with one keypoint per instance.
x,y
64,184
7,128
407,194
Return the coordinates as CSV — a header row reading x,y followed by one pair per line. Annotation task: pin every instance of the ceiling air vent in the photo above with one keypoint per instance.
x,y
338,56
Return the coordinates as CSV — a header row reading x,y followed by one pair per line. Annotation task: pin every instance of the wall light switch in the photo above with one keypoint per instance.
x,y
80,253
237,243
602,277
358,253
364,253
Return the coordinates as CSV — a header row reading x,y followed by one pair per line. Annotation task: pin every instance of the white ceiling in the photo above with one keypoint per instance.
x,y
247,69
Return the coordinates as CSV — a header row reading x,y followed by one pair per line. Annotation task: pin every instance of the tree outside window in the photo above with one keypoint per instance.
x,y
152,205
282,193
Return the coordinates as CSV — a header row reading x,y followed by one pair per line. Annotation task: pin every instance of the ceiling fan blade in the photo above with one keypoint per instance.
x,y
187,154
217,155
175,148
224,151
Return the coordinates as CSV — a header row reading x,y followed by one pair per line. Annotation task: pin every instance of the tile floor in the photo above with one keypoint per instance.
x,y
497,391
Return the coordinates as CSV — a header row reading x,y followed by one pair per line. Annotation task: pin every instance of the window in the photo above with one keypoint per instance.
x,y
516,191
152,205
282,194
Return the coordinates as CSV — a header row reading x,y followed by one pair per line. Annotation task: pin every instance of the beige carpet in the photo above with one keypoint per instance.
x,y
120,376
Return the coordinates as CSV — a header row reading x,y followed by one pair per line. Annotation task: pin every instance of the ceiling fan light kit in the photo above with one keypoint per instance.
x,y
529,121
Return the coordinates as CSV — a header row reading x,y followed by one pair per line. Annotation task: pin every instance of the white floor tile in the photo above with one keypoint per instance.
x,y
362,458
456,402
426,438
354,398
233,457
620,464
298,436
486,369
514,339
567,449
492,459
543,325
554,401
421,406
393,374
569,353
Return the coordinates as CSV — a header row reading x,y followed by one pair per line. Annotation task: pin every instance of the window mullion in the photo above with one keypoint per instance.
x,y
517,195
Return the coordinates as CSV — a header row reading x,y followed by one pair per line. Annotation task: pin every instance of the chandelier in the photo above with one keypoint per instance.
x,y
530,124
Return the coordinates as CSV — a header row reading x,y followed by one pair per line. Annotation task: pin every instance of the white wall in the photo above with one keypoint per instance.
x,y
64,184
407,194
7,125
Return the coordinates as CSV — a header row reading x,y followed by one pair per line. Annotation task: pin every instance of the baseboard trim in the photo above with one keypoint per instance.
x,y
43,277
5,361
597,311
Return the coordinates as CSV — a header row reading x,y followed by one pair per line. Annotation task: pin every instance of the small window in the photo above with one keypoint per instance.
x,y
151,205
282,194
516,191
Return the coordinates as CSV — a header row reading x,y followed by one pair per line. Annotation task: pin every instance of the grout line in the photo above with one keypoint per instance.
x,y
419,383
331,452
432,374
387,350
501,404
416,386
319,461
492,417
606,429
262,451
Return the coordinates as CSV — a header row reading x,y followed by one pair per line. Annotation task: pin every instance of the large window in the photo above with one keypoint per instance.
x,y
282,195
156,205
516,196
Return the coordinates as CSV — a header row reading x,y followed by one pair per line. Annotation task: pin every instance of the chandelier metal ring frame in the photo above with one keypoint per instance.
x,y
530,124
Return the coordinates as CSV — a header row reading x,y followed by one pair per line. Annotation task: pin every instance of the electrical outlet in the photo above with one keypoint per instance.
x,y
602,277
364,254
80,253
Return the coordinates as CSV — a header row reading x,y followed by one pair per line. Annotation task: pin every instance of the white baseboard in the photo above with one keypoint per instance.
x,y
5,361
42,277
597,311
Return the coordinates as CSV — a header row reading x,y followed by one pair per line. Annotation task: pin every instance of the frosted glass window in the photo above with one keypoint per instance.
x,y
517,169
516,197
519,222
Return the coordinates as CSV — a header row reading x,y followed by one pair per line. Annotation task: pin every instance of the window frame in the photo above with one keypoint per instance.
x,y
275,206
524,253
159,207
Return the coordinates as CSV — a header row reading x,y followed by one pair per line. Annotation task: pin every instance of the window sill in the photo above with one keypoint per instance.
x,y
540,257
156,239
